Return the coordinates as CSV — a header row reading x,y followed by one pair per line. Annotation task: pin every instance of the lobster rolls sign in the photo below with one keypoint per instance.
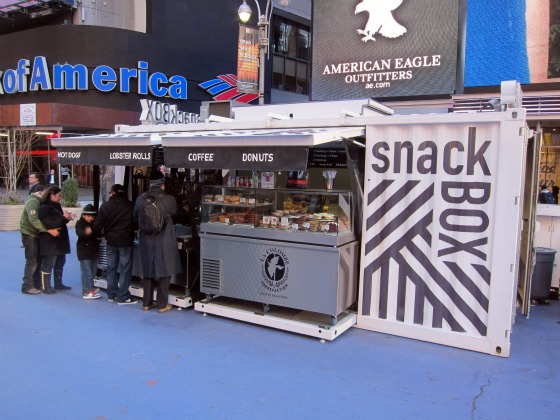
x,y
440,228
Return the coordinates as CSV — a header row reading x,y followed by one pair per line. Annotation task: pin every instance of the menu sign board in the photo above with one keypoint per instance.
x,y
327,158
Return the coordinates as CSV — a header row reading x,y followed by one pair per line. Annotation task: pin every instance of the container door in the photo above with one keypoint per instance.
x,y
529,211
442,228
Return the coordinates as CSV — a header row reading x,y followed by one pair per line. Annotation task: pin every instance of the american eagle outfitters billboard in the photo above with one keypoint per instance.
x,y
384,48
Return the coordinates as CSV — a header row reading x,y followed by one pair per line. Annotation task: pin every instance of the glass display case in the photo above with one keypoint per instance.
x,y
277,212
287,247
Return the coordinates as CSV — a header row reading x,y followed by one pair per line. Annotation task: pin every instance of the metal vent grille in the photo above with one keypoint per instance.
x,y
540,105
211,275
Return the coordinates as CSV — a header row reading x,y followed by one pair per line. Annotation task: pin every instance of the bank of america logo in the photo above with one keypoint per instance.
x,y
224,88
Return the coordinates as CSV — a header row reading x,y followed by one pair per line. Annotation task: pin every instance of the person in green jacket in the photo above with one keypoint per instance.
x,y
30,226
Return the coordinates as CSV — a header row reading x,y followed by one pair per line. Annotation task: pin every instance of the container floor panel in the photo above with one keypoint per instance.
x,y
292,320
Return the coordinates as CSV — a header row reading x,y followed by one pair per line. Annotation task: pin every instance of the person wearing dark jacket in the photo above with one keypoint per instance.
x,y
53,250
159,252
87,248
114,220
30,227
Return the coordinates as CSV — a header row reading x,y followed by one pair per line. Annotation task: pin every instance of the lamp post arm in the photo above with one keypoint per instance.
x,y
259,9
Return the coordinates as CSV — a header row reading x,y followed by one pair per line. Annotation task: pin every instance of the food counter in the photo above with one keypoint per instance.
x,y
286,247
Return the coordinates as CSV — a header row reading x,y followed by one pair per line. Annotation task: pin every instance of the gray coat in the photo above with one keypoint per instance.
x,y
160,255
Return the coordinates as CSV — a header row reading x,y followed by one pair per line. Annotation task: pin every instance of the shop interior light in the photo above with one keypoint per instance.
x,y
44,133
244,12
4,135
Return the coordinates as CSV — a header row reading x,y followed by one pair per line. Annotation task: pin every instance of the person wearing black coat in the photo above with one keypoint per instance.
x,y
53,250
114,220
159,252
87,248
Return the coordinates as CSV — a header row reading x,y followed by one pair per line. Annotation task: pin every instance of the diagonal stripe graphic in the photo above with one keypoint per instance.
x,y
419,281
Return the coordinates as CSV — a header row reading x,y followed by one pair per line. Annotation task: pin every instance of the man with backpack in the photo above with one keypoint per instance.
x,y
115,221
153,213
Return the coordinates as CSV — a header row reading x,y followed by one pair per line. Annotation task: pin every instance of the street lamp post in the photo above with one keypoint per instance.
x,y
244,13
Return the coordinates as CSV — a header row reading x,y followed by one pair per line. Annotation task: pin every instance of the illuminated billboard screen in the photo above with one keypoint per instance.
x,y
384,48
512,40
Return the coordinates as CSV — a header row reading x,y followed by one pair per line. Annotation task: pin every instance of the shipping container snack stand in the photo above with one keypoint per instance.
x,y
425,243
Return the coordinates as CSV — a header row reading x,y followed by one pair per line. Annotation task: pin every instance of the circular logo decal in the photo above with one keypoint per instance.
x,y
275,270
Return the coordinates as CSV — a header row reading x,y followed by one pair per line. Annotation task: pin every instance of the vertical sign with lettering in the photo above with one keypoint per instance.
x,y
248,60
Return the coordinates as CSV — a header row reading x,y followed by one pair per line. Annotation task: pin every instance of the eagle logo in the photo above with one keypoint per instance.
x,y
381,19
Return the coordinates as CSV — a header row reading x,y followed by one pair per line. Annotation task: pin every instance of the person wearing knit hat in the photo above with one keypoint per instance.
x,y
156,178
114,220
117,189
89,210
159,252
87,248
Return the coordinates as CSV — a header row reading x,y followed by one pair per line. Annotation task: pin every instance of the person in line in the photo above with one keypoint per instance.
x,y
545,196
33,182
52,177
87,248
52,249
115,221
30,227
159,252
555,192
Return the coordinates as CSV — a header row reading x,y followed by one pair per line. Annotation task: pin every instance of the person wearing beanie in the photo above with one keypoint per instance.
x,y
87,248
115,221
30,227
159,252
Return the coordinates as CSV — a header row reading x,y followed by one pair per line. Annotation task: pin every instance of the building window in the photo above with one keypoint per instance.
x,y
291,49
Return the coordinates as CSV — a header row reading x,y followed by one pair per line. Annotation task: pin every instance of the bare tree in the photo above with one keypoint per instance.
x,y
15,155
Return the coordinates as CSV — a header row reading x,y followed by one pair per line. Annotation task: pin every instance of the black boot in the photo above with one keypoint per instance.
x,y
58,281
46,284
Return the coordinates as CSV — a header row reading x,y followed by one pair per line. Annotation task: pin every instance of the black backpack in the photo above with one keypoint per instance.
x,y
151,215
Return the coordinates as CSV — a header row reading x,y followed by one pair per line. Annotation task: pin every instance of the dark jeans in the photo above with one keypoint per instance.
x,y
31,246
162,291
119,271
88,269
53,261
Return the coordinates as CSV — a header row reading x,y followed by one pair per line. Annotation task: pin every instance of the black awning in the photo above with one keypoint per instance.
x,y
268,158
254,149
